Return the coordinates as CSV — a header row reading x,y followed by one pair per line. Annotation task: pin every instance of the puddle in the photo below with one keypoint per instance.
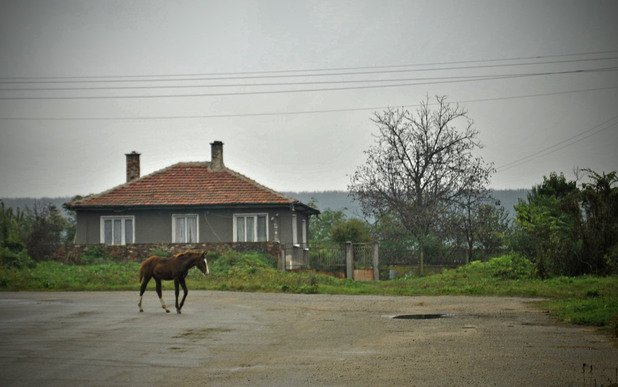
x,y
424,316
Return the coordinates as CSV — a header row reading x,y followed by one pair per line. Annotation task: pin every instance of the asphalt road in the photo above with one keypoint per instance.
x,y
227,338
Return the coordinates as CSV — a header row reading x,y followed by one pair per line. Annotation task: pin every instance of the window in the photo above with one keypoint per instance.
x,y
250,227
117,230
185,228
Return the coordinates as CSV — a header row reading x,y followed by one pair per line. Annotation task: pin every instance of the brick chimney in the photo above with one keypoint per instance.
x,y
216,156
132,166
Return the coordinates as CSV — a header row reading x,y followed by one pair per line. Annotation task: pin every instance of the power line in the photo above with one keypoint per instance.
x,y
233,115
567,143
69,81
307,90
471,77
348,81
66,78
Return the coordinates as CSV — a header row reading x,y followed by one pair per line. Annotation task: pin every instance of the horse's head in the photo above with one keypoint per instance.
x,y
202,263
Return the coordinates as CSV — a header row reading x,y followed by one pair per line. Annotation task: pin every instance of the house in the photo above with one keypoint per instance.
x,y
190,202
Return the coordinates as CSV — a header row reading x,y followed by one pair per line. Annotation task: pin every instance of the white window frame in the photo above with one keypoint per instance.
x,y
123,220
255,228
185,216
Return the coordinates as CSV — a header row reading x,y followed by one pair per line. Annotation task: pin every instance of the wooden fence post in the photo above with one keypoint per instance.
x,y
376,262
349,260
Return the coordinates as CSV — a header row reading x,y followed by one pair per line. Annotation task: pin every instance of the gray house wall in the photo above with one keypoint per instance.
x,y
215,225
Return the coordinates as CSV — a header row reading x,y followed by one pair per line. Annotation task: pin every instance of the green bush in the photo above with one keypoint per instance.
x,y
15,259
95,254
510,266
232,262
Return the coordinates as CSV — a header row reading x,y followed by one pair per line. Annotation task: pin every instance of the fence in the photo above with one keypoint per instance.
x,y
294,257
354,261
368,261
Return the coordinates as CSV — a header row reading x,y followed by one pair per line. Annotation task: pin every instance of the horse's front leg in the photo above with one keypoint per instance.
x,y
160,294
142,289
185,291
176,291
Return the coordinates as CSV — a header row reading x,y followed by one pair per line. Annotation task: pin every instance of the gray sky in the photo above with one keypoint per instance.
x,y
54,147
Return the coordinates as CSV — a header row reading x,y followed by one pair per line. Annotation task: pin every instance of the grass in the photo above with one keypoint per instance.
x,y
585,300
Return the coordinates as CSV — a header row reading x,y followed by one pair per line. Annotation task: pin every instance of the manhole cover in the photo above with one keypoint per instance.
x,y
420,316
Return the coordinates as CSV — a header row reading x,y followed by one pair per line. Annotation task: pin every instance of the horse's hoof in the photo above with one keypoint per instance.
x,y
167,311
178,311
141,311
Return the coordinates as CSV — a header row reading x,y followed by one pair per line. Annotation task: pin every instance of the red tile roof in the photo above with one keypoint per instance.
x,y
186,184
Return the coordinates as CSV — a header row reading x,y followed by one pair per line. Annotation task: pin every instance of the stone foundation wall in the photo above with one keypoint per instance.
x,y
139,252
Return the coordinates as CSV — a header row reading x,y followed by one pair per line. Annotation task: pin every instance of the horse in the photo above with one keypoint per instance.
x,y
174,268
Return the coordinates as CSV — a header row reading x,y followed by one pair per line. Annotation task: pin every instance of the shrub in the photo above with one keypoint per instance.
x,y
16,259
231,262
353,230
95,254
510,266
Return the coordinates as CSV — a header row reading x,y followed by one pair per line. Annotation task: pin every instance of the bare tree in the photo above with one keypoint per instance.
x,y
420,167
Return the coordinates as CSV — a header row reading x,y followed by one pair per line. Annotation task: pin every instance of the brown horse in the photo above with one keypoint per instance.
x,y
174,268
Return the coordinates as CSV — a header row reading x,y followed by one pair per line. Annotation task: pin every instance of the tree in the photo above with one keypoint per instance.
x,y
566,230
493,228
465,220
549,227
320,228
599,200
481,224
420,166
48,230
352,230
13,228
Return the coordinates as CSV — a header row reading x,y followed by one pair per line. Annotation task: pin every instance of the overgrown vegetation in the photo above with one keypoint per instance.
x,y
569,230
32,235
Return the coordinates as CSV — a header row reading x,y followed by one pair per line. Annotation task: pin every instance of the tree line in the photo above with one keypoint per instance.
x,y
426,192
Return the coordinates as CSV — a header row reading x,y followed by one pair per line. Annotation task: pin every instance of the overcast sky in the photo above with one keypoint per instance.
x,y
138,75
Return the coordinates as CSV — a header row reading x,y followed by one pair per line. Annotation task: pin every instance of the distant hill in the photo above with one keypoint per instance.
x,y
340,200
333,200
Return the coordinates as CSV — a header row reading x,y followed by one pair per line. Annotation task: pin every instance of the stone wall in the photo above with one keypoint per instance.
x,y
139,252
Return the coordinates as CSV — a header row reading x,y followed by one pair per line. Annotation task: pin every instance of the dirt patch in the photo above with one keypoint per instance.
x,y
227,338
201,333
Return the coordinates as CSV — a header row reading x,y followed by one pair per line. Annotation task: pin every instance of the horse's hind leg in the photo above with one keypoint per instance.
x,y
176,291
185,292
142,289
160,294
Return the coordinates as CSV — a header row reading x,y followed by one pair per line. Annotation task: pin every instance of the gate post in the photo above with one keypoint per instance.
x,y
376,261
282,257
349,261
